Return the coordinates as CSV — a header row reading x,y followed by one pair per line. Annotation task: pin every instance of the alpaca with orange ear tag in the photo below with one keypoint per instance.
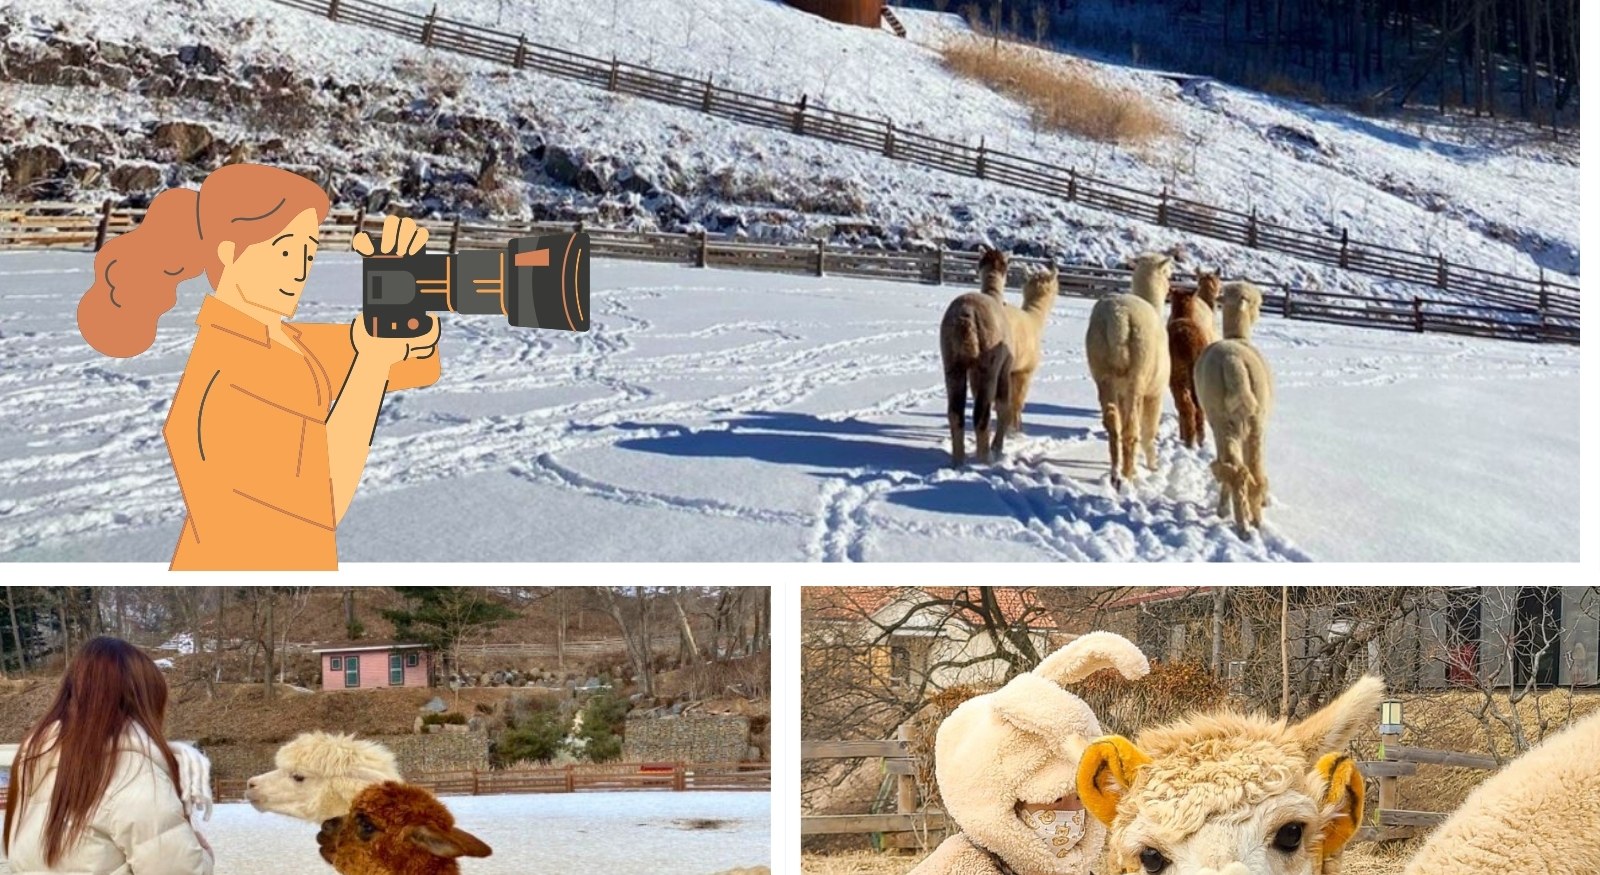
x,y
396,829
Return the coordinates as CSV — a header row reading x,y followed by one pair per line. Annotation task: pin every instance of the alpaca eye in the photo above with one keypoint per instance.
x,y
365,829
1288,837
299,779
1152,861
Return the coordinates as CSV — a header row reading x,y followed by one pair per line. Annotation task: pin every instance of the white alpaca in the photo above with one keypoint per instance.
x,y
1234,385
1538,814
1130,362
1027,335
319,773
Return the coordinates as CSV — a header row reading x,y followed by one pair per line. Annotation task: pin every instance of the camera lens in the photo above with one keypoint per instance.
x,y
549,282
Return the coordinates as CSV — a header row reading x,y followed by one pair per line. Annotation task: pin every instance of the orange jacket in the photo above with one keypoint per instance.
x,y
248,437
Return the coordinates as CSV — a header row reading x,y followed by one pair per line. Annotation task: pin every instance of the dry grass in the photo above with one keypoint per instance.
x,y
1062,96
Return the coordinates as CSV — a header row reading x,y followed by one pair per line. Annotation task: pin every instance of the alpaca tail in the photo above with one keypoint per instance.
x,y
1241,397
1118,331
967,337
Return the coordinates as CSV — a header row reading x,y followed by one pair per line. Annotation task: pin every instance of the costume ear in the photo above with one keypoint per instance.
x,y
1333,726
1035,705
1087,654
1347,793
1105,773
455,843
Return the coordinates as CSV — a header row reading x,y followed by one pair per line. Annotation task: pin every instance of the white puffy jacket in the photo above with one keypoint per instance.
x,y
140,827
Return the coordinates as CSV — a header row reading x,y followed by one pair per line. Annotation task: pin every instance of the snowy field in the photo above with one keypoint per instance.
x,y
615,833
1495,197
716,415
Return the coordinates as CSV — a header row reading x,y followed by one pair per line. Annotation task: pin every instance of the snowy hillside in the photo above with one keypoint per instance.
x,y
715,415
397,123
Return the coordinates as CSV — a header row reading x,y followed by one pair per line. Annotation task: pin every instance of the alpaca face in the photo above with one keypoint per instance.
x,y
396,829
1208,286
318,774
1228,794
1042,287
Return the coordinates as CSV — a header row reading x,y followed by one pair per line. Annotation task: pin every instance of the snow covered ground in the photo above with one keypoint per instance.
x,y
1496,198
619,833
716,415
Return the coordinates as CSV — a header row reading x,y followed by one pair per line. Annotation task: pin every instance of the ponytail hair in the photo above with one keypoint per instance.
x,y
136,275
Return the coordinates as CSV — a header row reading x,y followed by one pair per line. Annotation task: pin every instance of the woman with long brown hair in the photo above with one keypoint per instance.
x,y
94,789
272,422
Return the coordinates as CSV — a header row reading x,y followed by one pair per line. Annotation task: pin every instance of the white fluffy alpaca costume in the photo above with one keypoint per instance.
x,y
1021,744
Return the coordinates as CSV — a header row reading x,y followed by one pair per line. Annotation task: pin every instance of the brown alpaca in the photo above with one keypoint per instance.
x,y
992,267
396,829
1027,336
975,345
1186,339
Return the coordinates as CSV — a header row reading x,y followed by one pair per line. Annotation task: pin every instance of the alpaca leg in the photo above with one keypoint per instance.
x,y
955,388
982,405
1182,400
1151,421
1113,425
1132,422
1019,397
1005,399
1258,471
1199,417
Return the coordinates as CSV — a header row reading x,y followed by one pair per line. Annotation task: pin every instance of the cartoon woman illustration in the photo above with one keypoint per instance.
x,y
271,425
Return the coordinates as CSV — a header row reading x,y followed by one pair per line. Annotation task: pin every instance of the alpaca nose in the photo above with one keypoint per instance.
x,y
250,784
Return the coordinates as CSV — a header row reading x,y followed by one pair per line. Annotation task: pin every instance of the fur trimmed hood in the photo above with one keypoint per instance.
x,y
1021,744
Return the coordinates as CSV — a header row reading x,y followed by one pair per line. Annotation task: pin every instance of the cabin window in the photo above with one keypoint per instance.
x,y
411,659
335,663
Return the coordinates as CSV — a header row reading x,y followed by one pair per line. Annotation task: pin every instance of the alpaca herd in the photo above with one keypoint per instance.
x,y
372,823
995,348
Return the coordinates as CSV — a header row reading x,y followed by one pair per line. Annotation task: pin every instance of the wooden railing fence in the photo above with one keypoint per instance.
x,y
574,779
899,142
908,826
66,225
1396,761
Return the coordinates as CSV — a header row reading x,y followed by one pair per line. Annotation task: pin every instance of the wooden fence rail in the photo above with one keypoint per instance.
x,y
911,824
1396,761
574,779
898,142
80,226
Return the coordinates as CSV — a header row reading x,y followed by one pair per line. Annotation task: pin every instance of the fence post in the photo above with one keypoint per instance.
x,y
455,232
1344,248
705,102
333,10
1388,785
1161,208
427,27
888,139
361,221
1444,273
678,782
1416,311
1544,294
1288,306
571,784
1252,236
938,266
522,52
611,82
1072,183
822,253
701,259
980,157
905,785
475,790
105,225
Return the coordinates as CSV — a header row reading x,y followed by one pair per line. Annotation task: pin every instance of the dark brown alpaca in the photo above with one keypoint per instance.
x,y
975,345
396,829
1187,337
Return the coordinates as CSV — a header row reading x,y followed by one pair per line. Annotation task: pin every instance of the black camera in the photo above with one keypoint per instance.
x,y
535,282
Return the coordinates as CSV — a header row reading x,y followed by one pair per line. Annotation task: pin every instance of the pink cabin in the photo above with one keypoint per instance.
x,y
375,666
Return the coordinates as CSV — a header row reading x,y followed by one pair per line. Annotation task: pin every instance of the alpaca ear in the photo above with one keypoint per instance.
x,y
1338,721
455,843
1106,771
1347,794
